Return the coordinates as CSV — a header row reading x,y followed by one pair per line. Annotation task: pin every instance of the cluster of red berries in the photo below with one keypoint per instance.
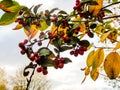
x,y
34,57
43,70
78,5
59,62
22,46
79,50
21,21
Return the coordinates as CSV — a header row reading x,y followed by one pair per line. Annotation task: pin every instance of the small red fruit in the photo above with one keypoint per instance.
x,y
25,41
39,69
22,52
60,65
21,45
32,57
45,72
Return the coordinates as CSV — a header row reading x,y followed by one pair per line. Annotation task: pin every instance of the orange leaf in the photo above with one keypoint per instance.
x,y
32,32
18,26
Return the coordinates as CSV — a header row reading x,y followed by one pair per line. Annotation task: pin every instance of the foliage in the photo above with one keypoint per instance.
x,y
89,18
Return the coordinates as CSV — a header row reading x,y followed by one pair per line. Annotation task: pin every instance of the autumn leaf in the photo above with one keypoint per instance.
x,y
112,65
18,26
43,26
94,9
90,58
32,32
117,46
94,74
104,36
98,58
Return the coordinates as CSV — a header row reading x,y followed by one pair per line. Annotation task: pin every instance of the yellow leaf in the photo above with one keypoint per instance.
x,y
90,59
43,26
94,74
18,26
112,36
98,58
94,9
32,32
112,65
104,36
117,46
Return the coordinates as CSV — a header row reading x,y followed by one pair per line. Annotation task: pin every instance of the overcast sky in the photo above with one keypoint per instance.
x,y
68,78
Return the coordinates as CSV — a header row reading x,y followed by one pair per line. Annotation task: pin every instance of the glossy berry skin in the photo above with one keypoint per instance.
x,y
23,52
60,65
45,72
21,45
32,57
39,69
25,41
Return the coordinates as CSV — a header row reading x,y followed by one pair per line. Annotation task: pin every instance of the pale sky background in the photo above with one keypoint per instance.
x,y
68,78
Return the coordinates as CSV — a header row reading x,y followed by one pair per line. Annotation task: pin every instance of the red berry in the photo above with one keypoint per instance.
x,y
39,69
25,41
60,65
35,53
45,72
72,52
81,52
23,52
67,38
21,45
37,58
39,43
32,57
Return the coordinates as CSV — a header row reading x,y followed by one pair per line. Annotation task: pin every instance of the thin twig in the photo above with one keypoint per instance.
x,y
111,5
29,81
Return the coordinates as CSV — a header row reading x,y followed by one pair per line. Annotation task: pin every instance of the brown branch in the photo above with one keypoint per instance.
x,y
111,5
111,17
29,81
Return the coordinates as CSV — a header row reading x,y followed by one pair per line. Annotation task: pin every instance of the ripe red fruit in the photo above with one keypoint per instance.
x,y
60,65
72,52
23,52
39,43
25,41
67,38
32,57
81,52
37,58
45,72
21,45
39,69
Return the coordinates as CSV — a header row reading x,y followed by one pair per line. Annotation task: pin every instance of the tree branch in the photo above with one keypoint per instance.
x,y
111,5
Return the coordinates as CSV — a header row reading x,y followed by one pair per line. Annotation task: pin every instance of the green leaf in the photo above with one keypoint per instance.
x,y
67,60
8,18
114,1
90,2
44,51
36,8
57,42
45,62
107,10
84,43
54,9
7,3
64,48
62,12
